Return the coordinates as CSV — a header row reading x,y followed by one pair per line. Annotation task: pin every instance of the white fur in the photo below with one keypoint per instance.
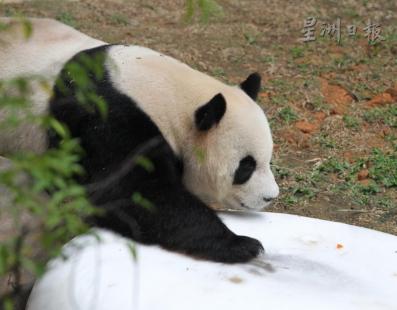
x,y
169,92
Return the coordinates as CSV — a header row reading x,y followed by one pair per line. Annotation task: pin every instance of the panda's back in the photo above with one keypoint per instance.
x,y
42,54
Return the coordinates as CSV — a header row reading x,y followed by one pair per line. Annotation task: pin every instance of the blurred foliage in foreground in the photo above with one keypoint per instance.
x,y
37,187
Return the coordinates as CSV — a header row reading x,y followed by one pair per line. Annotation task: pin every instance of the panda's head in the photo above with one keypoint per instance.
x,y
229,163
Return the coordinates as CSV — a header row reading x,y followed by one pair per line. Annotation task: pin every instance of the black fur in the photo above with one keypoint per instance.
x,y
252,85
245,170
177,219
211,113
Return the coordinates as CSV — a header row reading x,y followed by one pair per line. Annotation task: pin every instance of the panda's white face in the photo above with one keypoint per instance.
x,y
230,163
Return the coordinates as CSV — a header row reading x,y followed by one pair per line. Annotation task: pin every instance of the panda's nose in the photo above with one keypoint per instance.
x,y
268,199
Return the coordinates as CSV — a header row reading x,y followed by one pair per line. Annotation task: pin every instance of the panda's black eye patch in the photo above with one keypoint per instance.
x,y
244,171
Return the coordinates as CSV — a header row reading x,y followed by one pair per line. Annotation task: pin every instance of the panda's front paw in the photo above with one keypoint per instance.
x,y
242,249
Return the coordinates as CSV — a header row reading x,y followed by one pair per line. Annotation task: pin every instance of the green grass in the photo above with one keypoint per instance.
x,y
325,141
383,168
120,19
305,185
297,52
351,122
287,115
67,18
250,38
218,72
333,165
267,59
384,115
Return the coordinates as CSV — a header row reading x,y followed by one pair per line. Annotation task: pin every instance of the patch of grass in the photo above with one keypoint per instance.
x,y
208,9
319,104
282,86
297,52
387,203
287,114
267,59
280,172
385,115
351,12
289,200
120,19
351,122
383,168
302,189
303,68
250,38
370,195
279,99
67,18
391,138
303,192
343,62
382,175
326,141
218,72
333,165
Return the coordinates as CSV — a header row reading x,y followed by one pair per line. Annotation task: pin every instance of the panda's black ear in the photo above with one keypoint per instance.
x,y
252,85
210,113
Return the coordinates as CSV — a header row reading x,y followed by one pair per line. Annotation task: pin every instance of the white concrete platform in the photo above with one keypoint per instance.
x,y
309,264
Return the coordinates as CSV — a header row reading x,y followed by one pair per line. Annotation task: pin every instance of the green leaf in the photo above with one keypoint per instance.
x,y
27,28
138,199
133,251
100,103
3,259
8,304
200,154
145,163
60,129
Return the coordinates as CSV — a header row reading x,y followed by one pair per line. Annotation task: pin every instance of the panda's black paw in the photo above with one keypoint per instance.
x,y
241,249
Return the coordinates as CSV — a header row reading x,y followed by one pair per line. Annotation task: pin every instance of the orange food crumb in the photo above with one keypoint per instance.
x,y
339,246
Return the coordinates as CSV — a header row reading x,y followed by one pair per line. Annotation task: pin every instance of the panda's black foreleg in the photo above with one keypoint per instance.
x,y
180,222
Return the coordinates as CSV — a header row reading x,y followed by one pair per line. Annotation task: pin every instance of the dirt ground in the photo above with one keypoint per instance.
x,y
332,106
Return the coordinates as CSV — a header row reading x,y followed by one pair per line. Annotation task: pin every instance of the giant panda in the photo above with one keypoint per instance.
x,y
167,112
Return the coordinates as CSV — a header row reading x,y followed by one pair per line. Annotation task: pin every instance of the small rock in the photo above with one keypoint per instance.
x,y
364,182
296,138
265,95
305,127
320,116
337,96
381,99
392,92
338,110
385,131
235,280
348,156
363,175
